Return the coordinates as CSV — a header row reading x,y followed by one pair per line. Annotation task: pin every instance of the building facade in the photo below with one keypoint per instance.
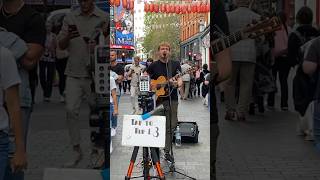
x,y
194,31
139,28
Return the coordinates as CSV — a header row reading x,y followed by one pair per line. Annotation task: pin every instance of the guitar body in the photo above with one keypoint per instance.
x,y
158,86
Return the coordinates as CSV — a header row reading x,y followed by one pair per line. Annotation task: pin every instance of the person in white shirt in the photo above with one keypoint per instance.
x,y
9,90
135,71
186,81
113,104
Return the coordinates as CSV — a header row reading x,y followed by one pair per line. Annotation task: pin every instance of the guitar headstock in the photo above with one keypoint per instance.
x,y
264,26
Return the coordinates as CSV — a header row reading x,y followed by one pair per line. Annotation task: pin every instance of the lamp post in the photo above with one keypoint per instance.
x,y
123,58
189,55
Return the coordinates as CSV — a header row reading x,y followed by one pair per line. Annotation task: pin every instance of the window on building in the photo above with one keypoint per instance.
x,y
182,35
193,29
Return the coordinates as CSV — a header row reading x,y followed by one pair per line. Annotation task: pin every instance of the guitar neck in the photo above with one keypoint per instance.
x,y
226,42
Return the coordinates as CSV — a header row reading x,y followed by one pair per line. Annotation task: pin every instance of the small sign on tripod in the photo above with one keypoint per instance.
x,y
144,133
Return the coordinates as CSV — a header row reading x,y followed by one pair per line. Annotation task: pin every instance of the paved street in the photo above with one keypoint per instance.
x,y
266,148
49,141
190,159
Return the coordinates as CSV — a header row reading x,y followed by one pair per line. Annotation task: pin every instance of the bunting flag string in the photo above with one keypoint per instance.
x,y
177,8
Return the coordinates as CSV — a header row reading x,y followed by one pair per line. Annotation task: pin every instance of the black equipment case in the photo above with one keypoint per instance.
x,y
189,132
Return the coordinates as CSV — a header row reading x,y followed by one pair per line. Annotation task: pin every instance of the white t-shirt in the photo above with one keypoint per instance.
x,y
8,77
184,68
112,87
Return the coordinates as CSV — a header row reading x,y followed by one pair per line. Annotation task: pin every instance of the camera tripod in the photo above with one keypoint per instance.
x,y
146,103
101,138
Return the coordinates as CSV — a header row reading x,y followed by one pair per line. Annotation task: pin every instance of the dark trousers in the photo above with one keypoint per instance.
x,y
33,80
198,83
281,67
129,85
46,77
120,87
125,86
214,129
61,67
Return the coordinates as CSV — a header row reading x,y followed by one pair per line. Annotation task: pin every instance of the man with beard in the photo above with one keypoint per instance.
x,y
169,69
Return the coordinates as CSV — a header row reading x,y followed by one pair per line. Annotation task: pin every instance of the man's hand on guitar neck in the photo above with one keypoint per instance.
x,y
176,82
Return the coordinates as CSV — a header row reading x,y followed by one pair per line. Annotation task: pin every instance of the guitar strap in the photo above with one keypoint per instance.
x,y
170,69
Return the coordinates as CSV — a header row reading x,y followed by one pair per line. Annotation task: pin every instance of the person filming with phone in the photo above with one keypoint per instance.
x,y
76,36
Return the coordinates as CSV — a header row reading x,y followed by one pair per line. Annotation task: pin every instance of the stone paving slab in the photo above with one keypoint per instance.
x,y
71,174
49,144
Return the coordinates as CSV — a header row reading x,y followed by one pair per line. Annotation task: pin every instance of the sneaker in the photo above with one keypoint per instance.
x,y
62,99
139,112
97,160
75,158
205,102
94,158
111,148
113,132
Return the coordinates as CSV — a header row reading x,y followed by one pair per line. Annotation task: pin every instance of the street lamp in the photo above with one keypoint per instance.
x,y
190,55
194,57
123,58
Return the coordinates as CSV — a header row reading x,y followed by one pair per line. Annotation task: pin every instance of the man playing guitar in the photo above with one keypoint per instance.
x,y
168,69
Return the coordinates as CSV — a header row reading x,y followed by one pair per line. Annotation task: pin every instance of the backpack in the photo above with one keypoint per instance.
x,y
304,90
304,86
305,42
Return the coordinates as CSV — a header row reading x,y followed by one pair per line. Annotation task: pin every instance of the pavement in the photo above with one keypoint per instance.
x,y
191,159
49,145
266,147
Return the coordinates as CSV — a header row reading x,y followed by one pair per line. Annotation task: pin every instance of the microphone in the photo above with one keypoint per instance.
x,y
151,113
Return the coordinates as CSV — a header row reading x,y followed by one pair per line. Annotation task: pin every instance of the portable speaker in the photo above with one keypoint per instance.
x,y
189,132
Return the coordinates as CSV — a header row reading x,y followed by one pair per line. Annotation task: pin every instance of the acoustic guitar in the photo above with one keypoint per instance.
x,y
160,85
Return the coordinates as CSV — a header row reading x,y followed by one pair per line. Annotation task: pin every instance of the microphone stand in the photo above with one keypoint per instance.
x,y
172,168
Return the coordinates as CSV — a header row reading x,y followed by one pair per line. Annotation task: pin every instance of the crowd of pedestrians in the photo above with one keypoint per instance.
x,y
258,65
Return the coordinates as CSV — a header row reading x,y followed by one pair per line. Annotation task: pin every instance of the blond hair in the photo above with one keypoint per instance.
x,y
164,44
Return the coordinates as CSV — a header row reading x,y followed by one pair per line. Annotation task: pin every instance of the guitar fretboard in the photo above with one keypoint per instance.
x,y
226,42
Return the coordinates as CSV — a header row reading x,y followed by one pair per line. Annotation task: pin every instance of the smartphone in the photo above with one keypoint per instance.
x,y
72,28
